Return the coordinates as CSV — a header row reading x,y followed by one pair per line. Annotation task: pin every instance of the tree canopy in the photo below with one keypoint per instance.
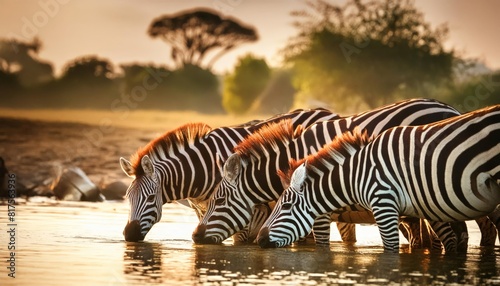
x,y
193,34
244,86
20,58
88,67
366,49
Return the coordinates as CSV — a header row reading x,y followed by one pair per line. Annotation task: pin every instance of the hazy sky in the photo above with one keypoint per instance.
x,y
116,29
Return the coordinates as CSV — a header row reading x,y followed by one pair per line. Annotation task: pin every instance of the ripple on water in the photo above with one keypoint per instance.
x,y
85,242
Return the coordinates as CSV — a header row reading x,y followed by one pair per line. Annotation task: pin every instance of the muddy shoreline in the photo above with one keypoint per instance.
x,y
34,150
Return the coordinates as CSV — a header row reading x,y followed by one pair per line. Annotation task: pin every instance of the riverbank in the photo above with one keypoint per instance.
x,y
36,144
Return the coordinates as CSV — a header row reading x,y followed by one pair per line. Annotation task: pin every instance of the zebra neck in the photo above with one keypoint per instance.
x,y
260,177
204,171
340,185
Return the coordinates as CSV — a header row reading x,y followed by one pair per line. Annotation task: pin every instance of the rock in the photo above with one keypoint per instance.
x,y
72,184
20,188
115,190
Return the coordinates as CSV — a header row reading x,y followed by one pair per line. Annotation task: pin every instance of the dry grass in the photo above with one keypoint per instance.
x,y
149,120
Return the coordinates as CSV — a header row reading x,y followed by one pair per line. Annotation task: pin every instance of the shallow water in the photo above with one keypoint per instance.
x,y
61,243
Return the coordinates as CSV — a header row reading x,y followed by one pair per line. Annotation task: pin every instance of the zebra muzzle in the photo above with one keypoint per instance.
x,y
132,231
200,238
264,240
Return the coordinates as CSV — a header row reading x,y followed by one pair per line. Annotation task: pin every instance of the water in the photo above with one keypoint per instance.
x,y
61,243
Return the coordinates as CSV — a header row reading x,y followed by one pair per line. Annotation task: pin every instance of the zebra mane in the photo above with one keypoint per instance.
x,y
341,147
268,137
179,137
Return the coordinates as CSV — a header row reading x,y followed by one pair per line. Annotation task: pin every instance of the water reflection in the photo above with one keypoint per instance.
x,y
250,264
88,238
143,260
338,264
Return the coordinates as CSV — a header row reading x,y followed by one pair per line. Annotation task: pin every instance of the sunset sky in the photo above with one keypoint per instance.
x,y
116,29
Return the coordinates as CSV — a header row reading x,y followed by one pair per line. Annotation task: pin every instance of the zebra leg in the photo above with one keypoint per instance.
x,y
347,231
249,233
321,229
488,231
419,234
411,231
387,219
404,227
428,237
495,218
260,214
446,235
199,207
462,234
241,236
410,228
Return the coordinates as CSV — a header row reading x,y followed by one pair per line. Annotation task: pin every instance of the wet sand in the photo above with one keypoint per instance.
x,y
34,149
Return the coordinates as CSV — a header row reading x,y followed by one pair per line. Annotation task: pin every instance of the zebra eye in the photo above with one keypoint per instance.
x,y
286,206
151,198
219,201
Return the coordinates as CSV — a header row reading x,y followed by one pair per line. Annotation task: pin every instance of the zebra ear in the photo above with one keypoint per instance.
x,y
298,177
147,166
285,182
298,130
127,167
232,167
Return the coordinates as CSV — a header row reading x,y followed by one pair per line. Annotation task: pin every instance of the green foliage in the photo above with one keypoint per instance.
x,y
89,67
241,88
365,51
187,88
278,95
475,92
91,82
21,58
86,82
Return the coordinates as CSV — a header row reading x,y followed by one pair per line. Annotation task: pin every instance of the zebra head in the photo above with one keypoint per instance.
x,y
145,197
229,210
292,217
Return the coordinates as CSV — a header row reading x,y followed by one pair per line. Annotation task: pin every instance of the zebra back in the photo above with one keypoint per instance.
x,y
280,142
262,154
443,171
186,163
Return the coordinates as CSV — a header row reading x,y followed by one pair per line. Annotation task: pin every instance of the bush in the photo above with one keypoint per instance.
x,y
241,88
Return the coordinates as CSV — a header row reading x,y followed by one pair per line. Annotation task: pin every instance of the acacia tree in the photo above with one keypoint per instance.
x,y
366,49
194,33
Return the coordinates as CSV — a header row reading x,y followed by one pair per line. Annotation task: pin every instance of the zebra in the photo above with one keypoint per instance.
x,y
444,171
186,163
249,174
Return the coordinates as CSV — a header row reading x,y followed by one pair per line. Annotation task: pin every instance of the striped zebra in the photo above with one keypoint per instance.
x,y
250,174
186,163
445,171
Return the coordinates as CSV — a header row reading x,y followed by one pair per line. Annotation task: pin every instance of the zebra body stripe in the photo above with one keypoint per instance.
x,y
261,155
186,164
445,171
